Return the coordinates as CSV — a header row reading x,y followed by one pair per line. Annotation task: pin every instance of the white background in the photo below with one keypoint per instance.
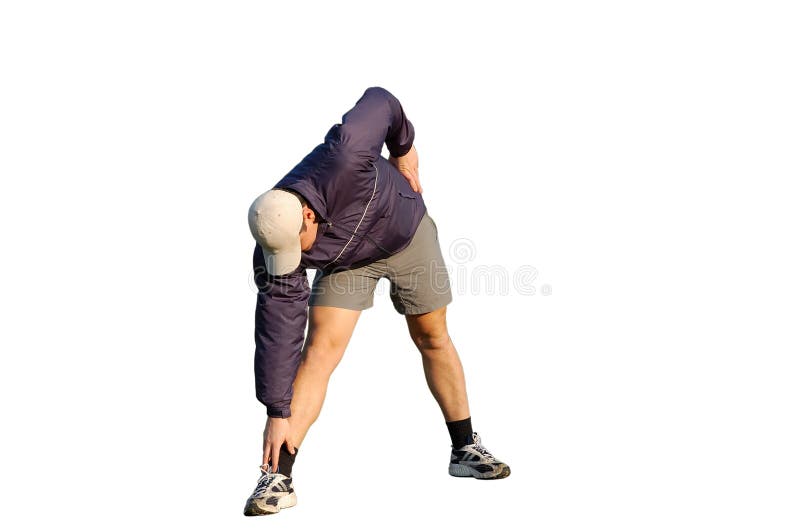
x,y
642,156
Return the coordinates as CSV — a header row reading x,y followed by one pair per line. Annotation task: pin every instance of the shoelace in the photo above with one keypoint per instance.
x,y
263,483
480,448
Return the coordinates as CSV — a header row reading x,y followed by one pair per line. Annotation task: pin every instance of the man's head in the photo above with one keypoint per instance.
x,y
284,225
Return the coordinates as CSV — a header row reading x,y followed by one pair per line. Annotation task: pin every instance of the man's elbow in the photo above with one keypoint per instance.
x,y
379,93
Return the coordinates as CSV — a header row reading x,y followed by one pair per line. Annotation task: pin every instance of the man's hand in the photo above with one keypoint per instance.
x,y
408,165
276,432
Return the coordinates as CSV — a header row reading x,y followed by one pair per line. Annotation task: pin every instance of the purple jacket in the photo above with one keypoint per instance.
x,y
369,212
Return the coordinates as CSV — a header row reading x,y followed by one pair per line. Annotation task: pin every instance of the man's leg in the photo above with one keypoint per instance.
x,y
445,377
329,331
421,292
443,370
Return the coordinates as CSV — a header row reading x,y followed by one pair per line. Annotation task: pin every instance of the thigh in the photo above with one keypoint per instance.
x,y
347,289
329,332
418,275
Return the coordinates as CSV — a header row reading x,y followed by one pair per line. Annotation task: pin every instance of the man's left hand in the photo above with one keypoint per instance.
x,y
408,165
276,431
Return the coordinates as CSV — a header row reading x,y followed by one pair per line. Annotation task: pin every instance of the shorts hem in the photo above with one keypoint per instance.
x,y
424,309
340,305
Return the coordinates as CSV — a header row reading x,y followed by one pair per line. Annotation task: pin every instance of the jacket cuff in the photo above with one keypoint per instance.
x,y
279,412
400,150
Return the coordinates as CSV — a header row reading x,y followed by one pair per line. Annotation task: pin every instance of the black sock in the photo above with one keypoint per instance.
x,y
460,432
286,460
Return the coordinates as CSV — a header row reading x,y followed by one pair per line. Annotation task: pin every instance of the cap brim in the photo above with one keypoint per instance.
x,y
284,261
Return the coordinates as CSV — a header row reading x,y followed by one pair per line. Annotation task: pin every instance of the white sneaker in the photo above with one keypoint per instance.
x,y
474,460
273,492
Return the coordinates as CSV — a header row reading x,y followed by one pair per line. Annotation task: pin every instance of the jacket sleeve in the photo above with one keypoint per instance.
x,y
280,324
377,117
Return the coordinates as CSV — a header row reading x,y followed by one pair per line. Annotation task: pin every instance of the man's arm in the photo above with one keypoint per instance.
x,y
376,118
280,324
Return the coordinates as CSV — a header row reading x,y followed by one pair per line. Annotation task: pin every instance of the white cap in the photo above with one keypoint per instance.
x,y
275,219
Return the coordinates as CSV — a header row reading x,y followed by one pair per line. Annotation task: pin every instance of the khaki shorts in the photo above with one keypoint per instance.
x,y
418,277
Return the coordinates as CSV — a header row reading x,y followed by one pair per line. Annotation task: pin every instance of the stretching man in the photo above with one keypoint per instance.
x,y
355,217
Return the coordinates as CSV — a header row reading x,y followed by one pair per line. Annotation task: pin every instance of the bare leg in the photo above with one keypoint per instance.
x,y
329,331
443,370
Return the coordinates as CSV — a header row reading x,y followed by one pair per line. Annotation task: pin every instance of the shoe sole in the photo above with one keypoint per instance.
x,y
458,470
254,508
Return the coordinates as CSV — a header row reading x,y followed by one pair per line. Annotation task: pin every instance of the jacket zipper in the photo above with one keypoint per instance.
x,y
353,235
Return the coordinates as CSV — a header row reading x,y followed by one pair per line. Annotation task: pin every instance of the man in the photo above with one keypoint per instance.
x,y
355,217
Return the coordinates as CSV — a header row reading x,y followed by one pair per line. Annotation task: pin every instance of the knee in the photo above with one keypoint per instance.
x,y
323,353
431,340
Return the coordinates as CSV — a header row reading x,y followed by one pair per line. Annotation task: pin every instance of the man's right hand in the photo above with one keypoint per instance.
x,y
276,432
408,165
